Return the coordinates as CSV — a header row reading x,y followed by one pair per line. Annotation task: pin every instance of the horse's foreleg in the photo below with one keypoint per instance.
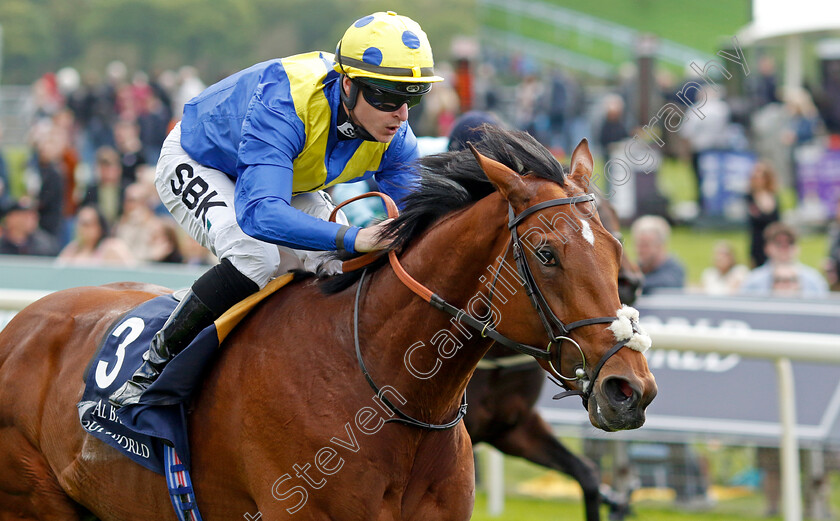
x,y
533,440
28,488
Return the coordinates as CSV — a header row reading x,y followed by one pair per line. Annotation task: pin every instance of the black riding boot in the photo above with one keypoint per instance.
x,y
189,318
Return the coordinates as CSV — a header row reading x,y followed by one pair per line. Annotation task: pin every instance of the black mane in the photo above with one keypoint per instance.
x,y
454,180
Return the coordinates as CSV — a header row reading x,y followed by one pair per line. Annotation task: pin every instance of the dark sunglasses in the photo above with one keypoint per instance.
x,y
386,101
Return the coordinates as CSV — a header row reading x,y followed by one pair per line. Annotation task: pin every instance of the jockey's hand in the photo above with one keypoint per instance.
x,y
368,238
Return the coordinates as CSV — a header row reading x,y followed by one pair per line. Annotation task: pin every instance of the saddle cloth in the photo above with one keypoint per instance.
x,y
140,431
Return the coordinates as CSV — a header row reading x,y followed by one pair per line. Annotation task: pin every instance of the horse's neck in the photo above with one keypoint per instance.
x,y
429,353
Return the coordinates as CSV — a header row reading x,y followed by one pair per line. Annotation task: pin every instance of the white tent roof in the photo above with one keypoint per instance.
x,y
775,19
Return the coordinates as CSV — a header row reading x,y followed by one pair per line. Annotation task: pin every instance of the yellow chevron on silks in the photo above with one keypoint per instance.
x,y
306,73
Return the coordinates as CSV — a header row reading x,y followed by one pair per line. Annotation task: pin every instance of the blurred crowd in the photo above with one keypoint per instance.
x,y
87,194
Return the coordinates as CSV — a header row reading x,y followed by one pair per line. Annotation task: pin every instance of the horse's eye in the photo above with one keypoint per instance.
x,y
546,256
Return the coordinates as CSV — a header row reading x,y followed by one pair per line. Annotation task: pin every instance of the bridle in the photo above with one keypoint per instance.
x,y
557,330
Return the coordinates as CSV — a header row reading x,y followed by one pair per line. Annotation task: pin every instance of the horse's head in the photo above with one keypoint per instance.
x,y
570,264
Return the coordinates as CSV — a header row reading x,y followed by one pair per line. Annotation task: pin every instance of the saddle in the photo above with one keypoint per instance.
x,y
143,431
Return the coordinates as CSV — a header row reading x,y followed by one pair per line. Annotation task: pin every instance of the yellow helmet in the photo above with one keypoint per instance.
x,y
386,46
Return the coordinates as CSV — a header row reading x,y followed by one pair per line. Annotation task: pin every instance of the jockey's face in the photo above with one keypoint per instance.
x,y
381,125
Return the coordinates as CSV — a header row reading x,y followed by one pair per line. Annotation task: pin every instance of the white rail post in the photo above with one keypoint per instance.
x,y
791,496
495,477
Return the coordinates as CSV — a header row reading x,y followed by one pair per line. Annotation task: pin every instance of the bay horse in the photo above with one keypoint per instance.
x,y
285,424
504,390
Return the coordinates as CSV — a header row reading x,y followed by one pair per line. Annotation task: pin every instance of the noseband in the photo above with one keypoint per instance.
x,y
557,330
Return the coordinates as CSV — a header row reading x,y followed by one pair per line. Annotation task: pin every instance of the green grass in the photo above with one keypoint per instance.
x,y
16,158
545,31
724,462
705,26
531,509
701,25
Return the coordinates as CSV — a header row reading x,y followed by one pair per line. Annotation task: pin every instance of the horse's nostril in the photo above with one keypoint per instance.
x,y
619,390
625,389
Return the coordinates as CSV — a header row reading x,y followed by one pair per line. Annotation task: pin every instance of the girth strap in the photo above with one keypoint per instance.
x,y
180,486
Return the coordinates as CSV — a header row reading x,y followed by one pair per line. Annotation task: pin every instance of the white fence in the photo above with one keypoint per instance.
x,y
782,347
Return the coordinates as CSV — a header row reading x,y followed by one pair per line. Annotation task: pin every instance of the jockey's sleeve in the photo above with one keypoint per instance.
x,y
263,211
398,175
271,139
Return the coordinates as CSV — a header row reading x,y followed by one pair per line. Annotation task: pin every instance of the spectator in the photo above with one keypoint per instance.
x,y
802,126
726,275
46,181
63,132
136,226
154,125
164,245
832,268
804,119
612,129
6,200
127,136
782,260
464,84
707,133
762,209
651,234
763,86
440,107
529,102
559,96
105,190
92,246
786,280
20,233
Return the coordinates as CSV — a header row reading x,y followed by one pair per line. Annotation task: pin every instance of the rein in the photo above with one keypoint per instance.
x,y
401,416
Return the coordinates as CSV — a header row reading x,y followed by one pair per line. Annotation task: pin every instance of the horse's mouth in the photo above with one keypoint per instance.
x,y
611,422
614,407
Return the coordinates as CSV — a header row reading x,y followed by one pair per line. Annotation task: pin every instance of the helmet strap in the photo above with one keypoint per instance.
x,y
349,100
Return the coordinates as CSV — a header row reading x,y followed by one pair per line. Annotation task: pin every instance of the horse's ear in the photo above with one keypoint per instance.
x,y
582,163
506,181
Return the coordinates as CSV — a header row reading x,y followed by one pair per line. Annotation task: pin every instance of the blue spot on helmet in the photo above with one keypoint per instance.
x,y
372,55
361,22
410,40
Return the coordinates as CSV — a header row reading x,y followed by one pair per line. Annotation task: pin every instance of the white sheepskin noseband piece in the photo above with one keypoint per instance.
x,y
627,327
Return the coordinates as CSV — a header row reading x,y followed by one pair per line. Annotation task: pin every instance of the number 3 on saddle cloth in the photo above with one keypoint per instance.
x,y
141,431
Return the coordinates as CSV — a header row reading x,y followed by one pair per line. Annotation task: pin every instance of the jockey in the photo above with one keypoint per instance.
x,y
245,169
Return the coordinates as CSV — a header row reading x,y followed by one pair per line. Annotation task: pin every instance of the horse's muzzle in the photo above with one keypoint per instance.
x,y
618,403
